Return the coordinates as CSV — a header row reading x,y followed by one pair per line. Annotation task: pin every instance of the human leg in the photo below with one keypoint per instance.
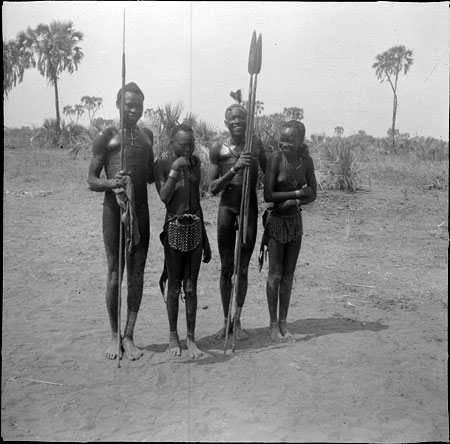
x,y
191,272
135,280
246,254
174,263
291,252
111,227
226,237
276,255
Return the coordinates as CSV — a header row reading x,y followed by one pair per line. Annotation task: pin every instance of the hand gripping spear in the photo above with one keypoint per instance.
x,y
123,166
254,67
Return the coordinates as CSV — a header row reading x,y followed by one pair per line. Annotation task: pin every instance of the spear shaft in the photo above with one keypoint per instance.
x,y
254,66
122,168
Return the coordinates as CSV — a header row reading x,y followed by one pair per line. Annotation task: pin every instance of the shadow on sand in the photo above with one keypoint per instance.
x,y
302,329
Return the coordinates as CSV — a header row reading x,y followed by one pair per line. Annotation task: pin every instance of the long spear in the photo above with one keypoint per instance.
x,y
254,67
122,168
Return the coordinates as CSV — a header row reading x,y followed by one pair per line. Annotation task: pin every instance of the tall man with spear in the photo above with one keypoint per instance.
x,y
234,172
127,160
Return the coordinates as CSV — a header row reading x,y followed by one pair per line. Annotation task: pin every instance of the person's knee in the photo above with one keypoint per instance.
x,y
287,279
113,278
191,301
275,277
226,268
173,294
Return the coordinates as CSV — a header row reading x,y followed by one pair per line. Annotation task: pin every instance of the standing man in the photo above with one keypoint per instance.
x,y
228,162
106,155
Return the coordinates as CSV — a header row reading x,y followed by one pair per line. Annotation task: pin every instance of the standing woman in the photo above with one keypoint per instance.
x,y
289,183
185,239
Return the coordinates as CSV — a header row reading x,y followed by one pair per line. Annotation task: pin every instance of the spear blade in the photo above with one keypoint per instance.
x,y
258,55
252,55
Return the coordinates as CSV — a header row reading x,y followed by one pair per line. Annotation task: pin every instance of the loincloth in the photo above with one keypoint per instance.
x,y
282,228
184,234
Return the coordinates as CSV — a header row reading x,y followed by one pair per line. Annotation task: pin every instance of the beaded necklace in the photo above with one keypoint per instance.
x,y
131,138
233,149
291,178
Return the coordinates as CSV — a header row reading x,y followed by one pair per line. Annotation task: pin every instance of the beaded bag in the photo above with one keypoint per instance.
x,y
184,233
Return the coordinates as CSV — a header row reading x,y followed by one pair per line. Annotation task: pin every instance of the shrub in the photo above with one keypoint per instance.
x,y
430,149
48,135
342,170
17,138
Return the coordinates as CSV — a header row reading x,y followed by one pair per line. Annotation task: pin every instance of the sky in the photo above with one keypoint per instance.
x,y
317,56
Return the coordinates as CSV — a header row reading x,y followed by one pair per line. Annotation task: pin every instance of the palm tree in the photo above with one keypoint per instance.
x,y
338,131
293,113
92,105
205,132
388,66
52,49
71,111
14,65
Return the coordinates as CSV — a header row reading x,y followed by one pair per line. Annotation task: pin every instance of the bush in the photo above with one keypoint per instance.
x,y
430,149
342,171
17,138
48,135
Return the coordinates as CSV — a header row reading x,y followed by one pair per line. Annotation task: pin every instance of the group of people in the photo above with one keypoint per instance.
x,y
128,164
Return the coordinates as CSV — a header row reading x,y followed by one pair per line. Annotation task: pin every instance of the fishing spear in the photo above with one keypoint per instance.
x,y
254,67
123,167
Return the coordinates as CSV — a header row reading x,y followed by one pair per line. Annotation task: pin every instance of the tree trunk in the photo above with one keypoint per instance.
x,y
394,115
58,117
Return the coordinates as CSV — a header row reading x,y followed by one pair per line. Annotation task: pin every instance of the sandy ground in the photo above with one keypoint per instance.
x,y
369,314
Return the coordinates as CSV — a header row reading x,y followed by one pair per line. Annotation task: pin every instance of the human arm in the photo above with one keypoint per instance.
x,y
310,191
282,199
148,135
95,182
270,180
262,158
206,245
217,182
167,176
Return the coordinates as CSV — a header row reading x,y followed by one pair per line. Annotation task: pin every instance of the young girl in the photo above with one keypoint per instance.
x,y
185,239
289,183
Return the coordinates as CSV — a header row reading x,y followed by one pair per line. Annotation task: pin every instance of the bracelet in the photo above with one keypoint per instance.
x,y
298,194
233,170
298,202
174,174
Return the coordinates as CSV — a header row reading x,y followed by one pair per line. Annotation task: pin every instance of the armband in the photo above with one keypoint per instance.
x,y
174,174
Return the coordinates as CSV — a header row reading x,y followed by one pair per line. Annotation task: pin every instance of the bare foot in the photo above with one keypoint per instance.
x,y
111,351
174,348
274,332
133,353
287,335
193,351
221,333
241,334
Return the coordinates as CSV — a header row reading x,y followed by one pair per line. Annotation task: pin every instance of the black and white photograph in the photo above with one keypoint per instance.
x,y
225,221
